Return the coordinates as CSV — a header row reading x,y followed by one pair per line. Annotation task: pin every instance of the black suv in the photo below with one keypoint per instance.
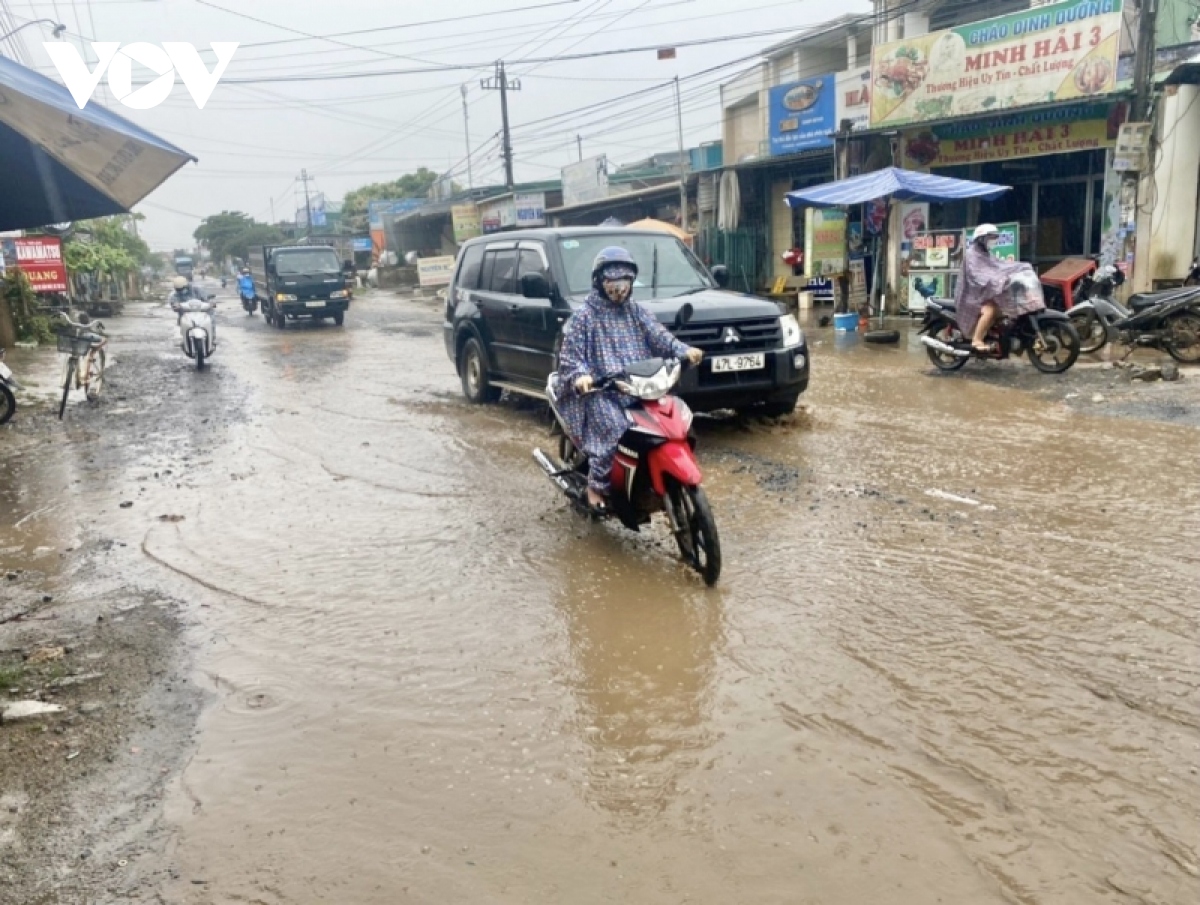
x,y
511,293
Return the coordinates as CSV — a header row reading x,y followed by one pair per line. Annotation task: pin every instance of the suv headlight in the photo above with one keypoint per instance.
x,y
338,294
284,297
792,334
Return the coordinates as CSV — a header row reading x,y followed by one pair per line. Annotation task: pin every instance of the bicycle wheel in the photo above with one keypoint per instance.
x,y
72,363
95,375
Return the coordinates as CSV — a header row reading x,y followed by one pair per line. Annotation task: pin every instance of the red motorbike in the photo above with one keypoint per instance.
x,y
655,468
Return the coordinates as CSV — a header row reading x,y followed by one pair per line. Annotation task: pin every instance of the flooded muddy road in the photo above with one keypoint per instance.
x,y
952,657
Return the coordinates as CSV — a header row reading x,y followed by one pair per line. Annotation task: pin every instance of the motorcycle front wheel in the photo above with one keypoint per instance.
x,y
8,403
1183,337
699,542
1057,349
1092,333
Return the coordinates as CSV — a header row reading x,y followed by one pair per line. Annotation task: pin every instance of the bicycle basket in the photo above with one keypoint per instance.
x,y
75,343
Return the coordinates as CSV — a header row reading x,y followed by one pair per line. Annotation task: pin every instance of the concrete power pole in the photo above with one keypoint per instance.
x,y
307,205
467,135
500,82
682,171
1143,81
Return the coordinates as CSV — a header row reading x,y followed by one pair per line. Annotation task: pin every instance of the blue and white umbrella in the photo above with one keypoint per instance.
x,y
893,182
60,163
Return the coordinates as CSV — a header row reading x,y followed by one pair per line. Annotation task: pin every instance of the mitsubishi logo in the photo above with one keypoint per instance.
x,y
731,336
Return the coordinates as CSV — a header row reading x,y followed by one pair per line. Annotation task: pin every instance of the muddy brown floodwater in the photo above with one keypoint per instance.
x,y
952,657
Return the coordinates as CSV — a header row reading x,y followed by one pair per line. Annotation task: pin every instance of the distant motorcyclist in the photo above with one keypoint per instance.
x,y
246,284
606,335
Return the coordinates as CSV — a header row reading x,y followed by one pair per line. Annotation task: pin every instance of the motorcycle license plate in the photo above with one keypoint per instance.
x,y
315,304
724,364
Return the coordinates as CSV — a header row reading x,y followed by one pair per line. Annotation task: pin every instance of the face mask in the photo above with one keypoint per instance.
x,y
618,290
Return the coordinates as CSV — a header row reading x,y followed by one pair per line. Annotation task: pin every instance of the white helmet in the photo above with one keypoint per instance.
x,y
985,231
179,282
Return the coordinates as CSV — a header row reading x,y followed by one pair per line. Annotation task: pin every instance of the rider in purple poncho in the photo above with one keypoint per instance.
x,y
984,288
606,335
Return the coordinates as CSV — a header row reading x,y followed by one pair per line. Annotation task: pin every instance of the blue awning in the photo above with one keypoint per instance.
x,y
893,182
61,163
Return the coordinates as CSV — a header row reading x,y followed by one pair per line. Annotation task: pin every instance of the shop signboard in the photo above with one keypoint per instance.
x,y
824,243
41,260
361,243
585,181
530,208
1061,52
435,271
854,98
1078,127
467,222
803,115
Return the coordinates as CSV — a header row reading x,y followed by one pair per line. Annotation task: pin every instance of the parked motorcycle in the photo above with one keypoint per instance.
x,y
655,468
197,329
1167,320
1046,337
8,384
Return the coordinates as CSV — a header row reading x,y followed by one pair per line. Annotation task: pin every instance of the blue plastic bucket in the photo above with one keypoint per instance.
x,y
845,323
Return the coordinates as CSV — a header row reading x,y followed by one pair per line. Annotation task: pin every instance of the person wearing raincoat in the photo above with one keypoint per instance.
x,y
987,288
607,334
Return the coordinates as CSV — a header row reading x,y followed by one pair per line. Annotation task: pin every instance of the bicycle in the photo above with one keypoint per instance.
x,y
82,340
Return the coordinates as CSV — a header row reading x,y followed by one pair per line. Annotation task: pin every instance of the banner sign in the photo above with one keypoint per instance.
x,y
1079,127
824,242
377,210
585,181
467,224
435,271
531,208
802,115
362,243
42,262
854,98
1066,51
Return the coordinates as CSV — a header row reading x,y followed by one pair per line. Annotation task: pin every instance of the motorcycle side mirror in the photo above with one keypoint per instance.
x,y
535,286
684,315
720,274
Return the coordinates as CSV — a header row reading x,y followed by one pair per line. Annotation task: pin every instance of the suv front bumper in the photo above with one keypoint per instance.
x,y
785,374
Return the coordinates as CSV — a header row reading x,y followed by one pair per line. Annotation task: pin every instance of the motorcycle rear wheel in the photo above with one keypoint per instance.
x,y
1092,333
948,334
699,542
1183,340
1061,348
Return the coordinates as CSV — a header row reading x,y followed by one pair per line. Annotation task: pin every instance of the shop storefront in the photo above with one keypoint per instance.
x,y
1058,161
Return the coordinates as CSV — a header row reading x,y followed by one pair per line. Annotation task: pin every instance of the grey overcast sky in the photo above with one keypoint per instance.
x,y
253,139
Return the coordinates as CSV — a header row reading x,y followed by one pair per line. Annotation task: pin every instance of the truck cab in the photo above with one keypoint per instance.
x,y
299,281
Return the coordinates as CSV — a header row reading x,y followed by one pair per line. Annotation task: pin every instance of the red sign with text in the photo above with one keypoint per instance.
x,y
41,260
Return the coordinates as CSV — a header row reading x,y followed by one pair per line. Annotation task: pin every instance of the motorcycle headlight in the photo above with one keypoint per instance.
x,y
284,297
792,334
338,294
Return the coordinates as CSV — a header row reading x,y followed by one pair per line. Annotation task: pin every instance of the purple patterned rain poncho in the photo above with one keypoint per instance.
x,y
601,339
1012,285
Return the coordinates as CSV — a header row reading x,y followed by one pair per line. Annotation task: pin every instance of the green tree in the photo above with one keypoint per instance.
x,y
219,230
258,234
410,185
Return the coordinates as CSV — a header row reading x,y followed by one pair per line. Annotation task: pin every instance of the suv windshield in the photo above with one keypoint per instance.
x,y
665,267
307,260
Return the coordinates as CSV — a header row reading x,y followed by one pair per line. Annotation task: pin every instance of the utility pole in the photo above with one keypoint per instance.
x,y
272,211
307,205
500,82
682,171
467,135
579,141
1143,82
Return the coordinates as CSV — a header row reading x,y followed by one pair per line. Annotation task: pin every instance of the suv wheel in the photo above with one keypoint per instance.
x,y
476,382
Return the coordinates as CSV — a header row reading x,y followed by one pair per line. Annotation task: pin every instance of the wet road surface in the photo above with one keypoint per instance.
x,y
952,656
